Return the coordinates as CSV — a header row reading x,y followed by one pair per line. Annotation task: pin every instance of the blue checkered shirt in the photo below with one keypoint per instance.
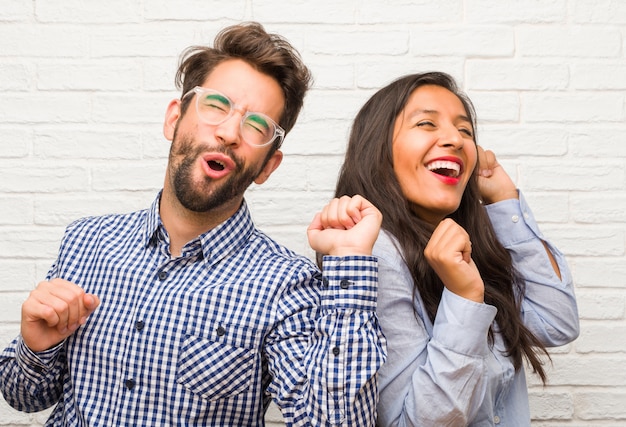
x,y
205,339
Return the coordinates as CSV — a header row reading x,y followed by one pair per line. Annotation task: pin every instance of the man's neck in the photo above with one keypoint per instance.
x,y
183,225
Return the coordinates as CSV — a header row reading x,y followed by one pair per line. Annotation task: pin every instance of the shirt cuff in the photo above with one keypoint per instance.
x,y
513,221
463,325
34,365
350,282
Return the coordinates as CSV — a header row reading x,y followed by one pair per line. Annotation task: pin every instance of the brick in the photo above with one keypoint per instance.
x,y
374,74
599,338
129,176
317,137
551,406
285,207
339,75
583,371
602,305
43,41
33,178
592,241
601,405
410,12
597,141
95,75
514,74
17,276
77,11
161,10
30,243
61,210
16,210
87,144
599,75
358,42
303,12
581,175
16,75
568,41
44,108
586,270
151,39
16,11
16,142
496,107
598,207
599,12
573,107
514,12
464,41
523,140
333,105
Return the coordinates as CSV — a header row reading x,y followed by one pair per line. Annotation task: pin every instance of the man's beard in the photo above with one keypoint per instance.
x,y
206,195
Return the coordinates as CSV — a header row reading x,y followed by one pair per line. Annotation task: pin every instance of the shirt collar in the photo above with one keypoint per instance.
x,y
217,242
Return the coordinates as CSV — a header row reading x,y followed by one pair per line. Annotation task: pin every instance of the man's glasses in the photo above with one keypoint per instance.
x,y
214,108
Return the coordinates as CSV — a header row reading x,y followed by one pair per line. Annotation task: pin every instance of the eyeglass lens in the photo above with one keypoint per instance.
x,y
215,108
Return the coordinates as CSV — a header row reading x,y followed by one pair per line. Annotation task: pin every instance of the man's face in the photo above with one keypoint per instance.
x,y
211,166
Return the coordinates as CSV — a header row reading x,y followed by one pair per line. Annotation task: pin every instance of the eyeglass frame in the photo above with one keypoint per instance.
x,y
279,132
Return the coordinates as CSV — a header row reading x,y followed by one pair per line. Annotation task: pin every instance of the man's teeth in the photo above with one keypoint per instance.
x,y
445,167
216,165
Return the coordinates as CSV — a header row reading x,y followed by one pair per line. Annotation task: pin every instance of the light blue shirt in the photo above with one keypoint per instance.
x,y
446,373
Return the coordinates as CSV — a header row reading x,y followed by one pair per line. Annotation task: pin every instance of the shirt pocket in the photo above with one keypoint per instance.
x,y
220,367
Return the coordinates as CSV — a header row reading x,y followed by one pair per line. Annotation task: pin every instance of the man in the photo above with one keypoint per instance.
x,y
185,313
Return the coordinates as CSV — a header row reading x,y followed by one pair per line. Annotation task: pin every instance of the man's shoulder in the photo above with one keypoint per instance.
x,y
278,252
99,223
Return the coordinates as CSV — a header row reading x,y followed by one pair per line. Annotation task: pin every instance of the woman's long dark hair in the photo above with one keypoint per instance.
x,y
368,171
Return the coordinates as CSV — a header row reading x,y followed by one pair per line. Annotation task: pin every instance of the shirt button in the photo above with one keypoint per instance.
x,y
220,331
496,419
139,325
325,281
39,369
130,384
515,218
345,284
162,275
336,351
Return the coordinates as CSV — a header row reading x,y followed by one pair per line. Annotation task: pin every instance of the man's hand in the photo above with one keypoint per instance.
x,y
53,312
494,183
449,253
346,226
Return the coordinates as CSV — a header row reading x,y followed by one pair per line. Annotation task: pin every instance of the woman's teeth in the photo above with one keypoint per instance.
x,y
444,167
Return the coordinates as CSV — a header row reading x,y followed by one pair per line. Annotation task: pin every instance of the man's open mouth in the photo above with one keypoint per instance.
x,y
216,165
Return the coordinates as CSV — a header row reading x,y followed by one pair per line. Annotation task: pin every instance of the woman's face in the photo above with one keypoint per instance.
x,y
434,153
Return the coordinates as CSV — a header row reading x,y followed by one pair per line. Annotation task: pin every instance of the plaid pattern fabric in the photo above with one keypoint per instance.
x,y
205,338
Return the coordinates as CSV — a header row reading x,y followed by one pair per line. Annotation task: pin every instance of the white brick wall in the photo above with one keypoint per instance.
x,y
85,85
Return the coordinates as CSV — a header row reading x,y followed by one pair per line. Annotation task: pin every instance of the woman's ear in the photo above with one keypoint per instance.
x,y
269,167
171,118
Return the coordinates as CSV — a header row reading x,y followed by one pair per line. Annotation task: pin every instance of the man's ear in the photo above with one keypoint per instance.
x,y
171,117
269,167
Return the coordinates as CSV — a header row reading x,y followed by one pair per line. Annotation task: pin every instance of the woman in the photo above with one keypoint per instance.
x,y
469,291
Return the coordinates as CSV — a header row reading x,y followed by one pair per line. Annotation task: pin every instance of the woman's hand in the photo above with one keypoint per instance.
x,y
494,183
449,253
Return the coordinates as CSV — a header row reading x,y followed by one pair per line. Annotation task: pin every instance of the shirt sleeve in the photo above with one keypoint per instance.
x,y
549,306
31,382
434,373
325,353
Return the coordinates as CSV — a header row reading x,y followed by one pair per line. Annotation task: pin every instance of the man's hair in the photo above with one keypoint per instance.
x,y
267,53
